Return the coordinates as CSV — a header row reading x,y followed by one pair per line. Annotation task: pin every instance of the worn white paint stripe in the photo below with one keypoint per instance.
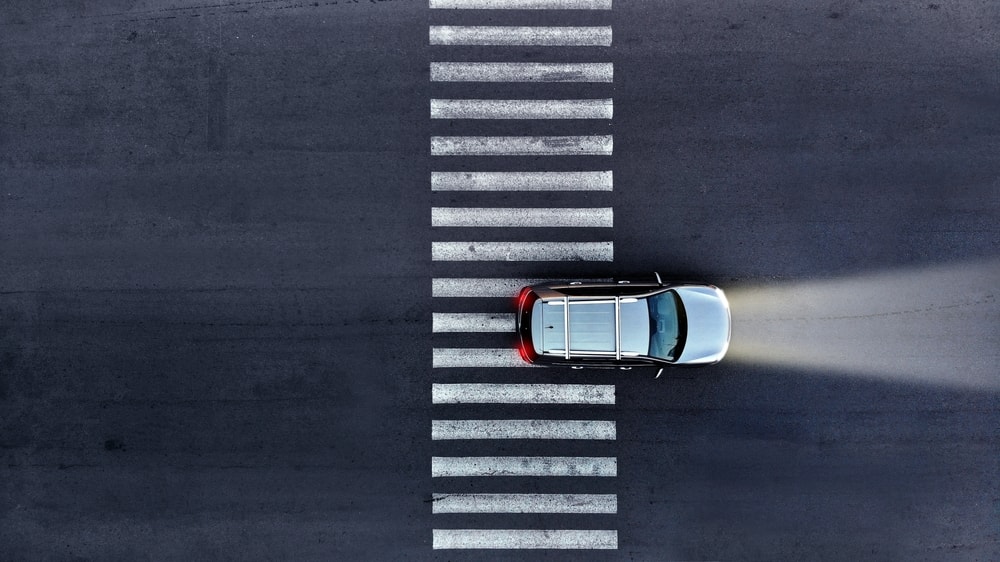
x,y
444,430
522,109
521,4
522,181
561,36
477,287
443,322
470,393
525,503
445,467
444,358
496,539
522,251
576,145
522,217
472,287
522,72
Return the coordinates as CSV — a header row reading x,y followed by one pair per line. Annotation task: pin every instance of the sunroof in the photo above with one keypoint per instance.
x,y
592,326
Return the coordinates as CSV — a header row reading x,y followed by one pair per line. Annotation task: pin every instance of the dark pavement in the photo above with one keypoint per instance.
x,y
214,277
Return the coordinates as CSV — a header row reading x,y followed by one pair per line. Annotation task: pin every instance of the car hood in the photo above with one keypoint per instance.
x,y
708,324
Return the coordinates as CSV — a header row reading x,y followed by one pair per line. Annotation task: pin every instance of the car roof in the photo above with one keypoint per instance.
x,y
585,326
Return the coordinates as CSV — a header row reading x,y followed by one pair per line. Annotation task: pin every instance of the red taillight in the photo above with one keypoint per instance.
x,y
521,296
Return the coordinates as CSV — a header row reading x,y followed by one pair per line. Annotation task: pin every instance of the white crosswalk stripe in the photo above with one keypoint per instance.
x,y
521,4
471,322
522,109
524,538
471,287
521,217
573,145
522,72
522,181
521,35
443,430
444,358
599,467
479,286
487,393
522,251
525,503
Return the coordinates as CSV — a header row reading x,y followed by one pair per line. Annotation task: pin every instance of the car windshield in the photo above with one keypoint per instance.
x,y
666,325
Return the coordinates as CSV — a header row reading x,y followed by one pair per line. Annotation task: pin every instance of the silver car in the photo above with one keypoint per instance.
x,y
623,324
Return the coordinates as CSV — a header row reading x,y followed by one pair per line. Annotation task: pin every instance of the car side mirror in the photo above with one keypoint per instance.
x,y
660,372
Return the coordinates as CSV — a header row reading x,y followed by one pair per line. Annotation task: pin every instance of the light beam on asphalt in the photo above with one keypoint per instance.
x,y
935,324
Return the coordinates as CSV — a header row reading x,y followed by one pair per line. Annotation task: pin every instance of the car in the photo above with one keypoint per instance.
x,y
623,324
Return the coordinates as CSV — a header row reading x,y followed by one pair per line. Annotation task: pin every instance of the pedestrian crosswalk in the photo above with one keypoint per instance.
x,y
481,228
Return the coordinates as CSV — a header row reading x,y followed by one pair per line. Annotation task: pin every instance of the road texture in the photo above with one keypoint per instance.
x,y
216,310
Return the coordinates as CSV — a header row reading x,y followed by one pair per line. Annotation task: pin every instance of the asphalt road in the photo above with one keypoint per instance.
x,y
215,279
